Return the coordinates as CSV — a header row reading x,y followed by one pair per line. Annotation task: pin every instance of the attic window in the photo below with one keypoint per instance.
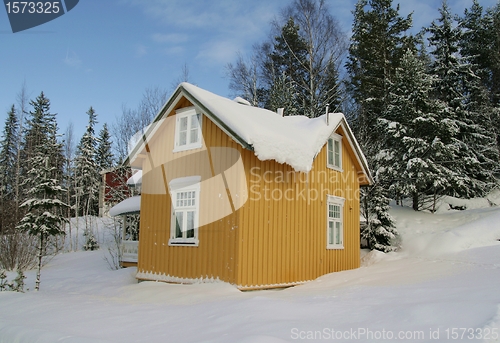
x,y
187,129
334,150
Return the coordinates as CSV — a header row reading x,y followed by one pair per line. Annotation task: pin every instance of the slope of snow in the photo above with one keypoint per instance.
x,y
294,140
135,179
129,205
445,278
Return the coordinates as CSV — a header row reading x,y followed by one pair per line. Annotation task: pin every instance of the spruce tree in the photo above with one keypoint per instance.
x,y
479,45
86,168
417,137
378,42
87,179
380,231
104,154
8,159
494,34
459,89
43,207
41,126
377,46
285,70
8,153
283,94
331,90
475,41
493,29
37,125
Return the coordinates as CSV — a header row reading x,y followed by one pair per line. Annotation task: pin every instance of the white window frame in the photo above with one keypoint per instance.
x,y
334,141
334,224
184,185
187,113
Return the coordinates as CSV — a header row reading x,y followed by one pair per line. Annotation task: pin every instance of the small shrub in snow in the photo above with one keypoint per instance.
x,y
91,243
17,285
3,280
19,250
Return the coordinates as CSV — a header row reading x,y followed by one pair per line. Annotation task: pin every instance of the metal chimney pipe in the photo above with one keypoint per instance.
x,y
327,116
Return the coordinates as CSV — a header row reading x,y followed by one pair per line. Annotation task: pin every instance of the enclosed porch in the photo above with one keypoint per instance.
x,y
128,212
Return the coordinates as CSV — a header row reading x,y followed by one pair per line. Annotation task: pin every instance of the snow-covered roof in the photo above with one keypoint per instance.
x,y
128,206
135,179
294,140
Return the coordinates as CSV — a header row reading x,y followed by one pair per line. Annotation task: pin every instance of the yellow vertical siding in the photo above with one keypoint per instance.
x,y
266,242
286,238
215,257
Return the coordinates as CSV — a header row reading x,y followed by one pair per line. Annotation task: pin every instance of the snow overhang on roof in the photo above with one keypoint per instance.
x,y
135,179
294,140
128,206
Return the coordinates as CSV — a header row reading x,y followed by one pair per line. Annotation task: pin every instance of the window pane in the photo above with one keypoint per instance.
x,y
182,138
185,199
194,121
337,153
330,151
178,224
336,211
330,233
337,233
193,137
190,225
183,126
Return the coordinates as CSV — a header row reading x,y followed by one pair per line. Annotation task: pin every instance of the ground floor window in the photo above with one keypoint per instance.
x,y
131,224
335,225
185,196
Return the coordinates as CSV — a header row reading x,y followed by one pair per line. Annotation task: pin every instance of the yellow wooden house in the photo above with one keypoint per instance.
x,y
244,195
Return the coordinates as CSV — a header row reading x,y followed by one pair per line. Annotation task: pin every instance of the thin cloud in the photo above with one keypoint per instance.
x,y
201,17
140,51
175,50
72,60
222,51
170,38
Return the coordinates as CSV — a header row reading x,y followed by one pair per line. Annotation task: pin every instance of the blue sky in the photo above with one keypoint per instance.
x,y
106,53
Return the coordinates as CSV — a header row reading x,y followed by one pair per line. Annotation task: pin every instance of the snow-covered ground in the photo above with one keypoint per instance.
x,y
444,285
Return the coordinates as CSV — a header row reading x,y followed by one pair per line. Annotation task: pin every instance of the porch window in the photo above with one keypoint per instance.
x,y
185,196
335,152
335,225
187,129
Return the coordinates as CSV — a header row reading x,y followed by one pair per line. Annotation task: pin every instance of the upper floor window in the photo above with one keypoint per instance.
x,y
334,159
187,129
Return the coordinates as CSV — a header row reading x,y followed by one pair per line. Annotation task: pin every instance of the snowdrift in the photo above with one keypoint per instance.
x,y
446,276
